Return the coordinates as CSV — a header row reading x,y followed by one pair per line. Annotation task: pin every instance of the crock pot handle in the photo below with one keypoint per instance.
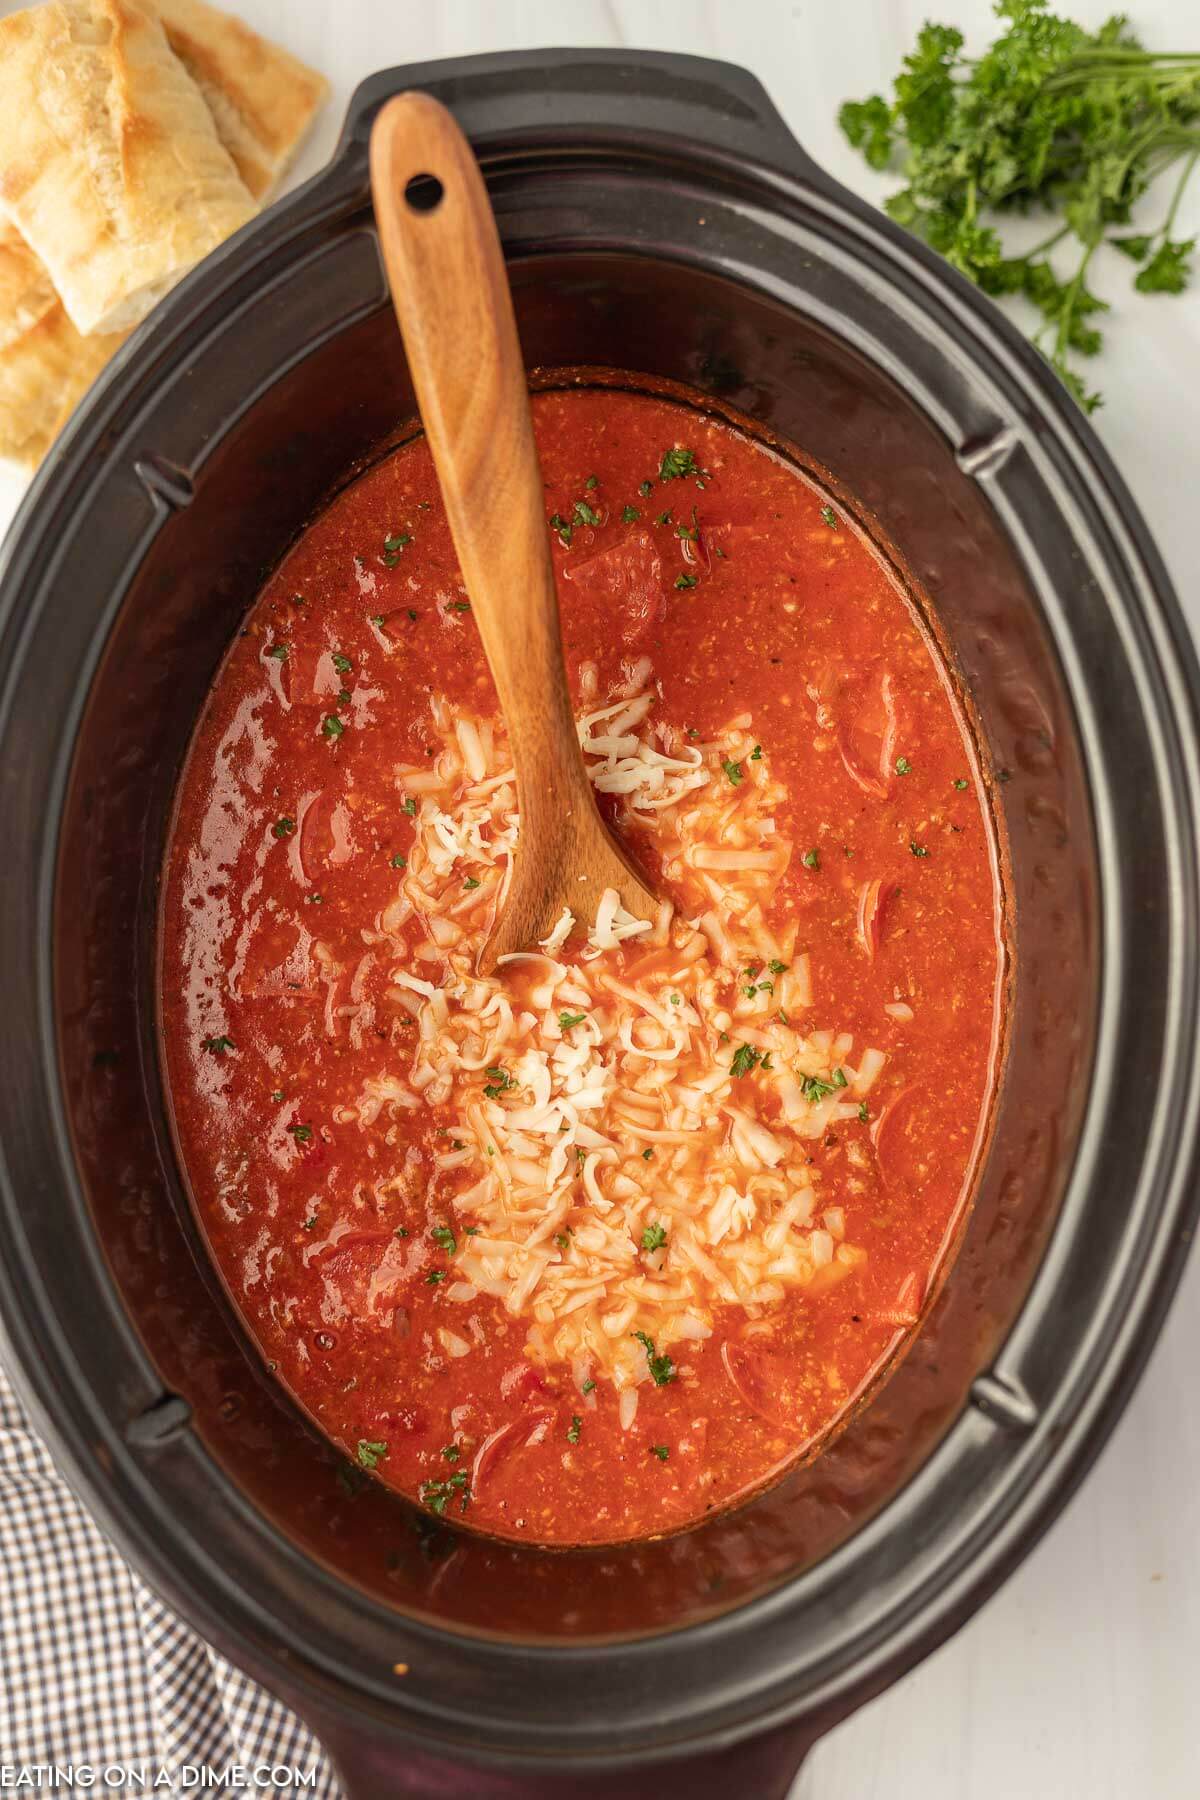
x,y
759,1768
646,98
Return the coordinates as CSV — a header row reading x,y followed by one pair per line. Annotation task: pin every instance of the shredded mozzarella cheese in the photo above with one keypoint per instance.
x,y
626,1146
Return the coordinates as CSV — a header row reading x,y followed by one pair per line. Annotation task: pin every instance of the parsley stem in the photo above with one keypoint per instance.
x,y
1188,166
1047,244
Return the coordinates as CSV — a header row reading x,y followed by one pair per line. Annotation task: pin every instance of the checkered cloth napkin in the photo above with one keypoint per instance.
x,y
93,1668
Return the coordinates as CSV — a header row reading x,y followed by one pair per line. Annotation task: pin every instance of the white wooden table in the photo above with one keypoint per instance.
x,y
1079,1677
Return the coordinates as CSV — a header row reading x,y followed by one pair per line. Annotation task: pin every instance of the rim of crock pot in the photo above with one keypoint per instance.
x,y
927,1602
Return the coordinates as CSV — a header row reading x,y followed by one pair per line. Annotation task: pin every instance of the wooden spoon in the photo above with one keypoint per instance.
x,y
450,290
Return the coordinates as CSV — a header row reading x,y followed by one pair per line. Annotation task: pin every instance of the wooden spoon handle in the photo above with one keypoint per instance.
x,y
450,290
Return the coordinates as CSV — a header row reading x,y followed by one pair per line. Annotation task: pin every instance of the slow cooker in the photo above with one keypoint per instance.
x,y
659,220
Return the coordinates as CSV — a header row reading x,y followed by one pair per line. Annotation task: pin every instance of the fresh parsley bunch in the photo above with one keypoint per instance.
x,y
1052,118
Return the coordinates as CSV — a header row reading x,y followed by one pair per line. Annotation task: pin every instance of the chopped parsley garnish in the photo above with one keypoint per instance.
x,y
917,849
343,698
745,1058
279,652
903,766
591,482
645,488
662,1451
310,1224
445,1239
654,1237
814,1089
647,1155
588,1386
662,518
689,533
401,1231
961,782
756,753
370,1455
662,1369
562,526
408,805
676,464
566,1020
451,1452
412,613
397,541
278,1094
460,606
283,828
686,581
437,1495
811,859
341,663
217,1046
378,618
629,515
830,518
863,1112
498,1081
776,967
562,1240
470,883
838,1078
332,726
574,1429
435,1276
733,771
301,1133
585,514
399,861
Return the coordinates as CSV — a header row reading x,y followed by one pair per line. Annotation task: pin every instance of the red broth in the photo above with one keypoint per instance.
x,y
338,1239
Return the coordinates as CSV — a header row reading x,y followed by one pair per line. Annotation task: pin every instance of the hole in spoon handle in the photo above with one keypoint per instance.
x,y
423,193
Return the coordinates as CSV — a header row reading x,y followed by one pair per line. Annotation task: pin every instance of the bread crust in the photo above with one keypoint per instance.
x,y
45,365
262,98
111,166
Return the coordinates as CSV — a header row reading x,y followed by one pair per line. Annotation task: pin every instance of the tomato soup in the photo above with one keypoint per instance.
x,y
585,1249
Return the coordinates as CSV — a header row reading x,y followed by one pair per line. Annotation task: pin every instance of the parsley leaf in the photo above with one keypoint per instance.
x,y
1051,118
217,1046
685,581
903,766
370,1455
745,1058
662,1451
733,771
445,1239
676,464
566,1020
574,1429
662,1369
629,514
437,1495
654,1237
